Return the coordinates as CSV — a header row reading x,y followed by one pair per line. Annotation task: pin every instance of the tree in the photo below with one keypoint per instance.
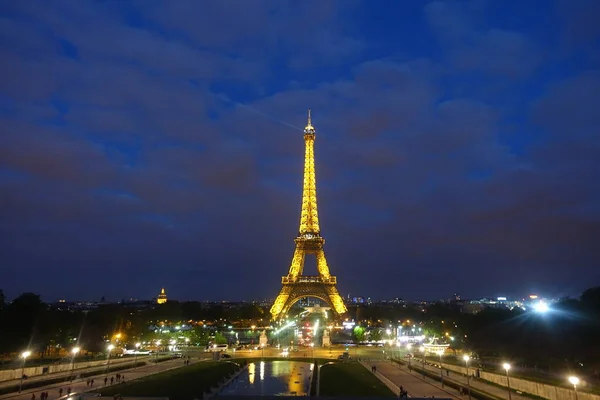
x,y
375,335
220,339
358,334
2,299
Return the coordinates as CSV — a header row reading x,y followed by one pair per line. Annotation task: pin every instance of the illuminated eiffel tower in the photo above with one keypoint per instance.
x,y
309,241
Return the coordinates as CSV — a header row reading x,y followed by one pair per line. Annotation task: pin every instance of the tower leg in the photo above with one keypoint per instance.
x,y
280,302
322,266
297,263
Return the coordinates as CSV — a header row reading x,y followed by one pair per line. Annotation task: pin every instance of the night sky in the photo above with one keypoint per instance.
x,y
159,143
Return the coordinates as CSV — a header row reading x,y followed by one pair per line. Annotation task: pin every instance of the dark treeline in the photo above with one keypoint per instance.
x,y
565,336
28,323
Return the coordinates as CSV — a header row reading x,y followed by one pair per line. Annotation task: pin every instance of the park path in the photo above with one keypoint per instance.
x,y
493,390
65,374
80,385
414,384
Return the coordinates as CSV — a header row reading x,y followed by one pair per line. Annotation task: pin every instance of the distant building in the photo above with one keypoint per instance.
x,y
162,297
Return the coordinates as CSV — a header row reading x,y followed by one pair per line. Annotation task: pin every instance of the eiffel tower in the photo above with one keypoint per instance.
x,y
309,241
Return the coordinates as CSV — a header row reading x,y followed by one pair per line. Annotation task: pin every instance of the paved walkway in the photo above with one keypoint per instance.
x,y
80,385
413,383
65,374
477,384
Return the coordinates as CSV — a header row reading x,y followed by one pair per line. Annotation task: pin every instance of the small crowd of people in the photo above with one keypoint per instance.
x,y
43,396
119,378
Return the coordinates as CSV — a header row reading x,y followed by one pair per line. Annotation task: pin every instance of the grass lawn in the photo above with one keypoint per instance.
x,y
351,379
183,383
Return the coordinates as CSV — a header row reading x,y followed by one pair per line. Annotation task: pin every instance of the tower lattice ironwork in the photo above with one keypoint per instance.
x,y
309,242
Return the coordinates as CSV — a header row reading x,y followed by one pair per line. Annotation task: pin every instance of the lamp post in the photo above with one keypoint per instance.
x,y
74,351
24,356
422,348
109,348
319,377
574,381
157,349
441,353
137,347
506,367
467,358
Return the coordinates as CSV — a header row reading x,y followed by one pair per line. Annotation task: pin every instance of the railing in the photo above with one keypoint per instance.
x,y
332,280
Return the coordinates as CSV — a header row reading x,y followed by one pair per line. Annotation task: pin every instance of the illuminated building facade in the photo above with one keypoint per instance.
x,y
162,297
309,241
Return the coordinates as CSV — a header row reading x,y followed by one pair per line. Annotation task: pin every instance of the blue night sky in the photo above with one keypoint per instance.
x,y
158,143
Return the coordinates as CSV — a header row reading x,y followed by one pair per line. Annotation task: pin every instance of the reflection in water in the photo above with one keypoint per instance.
x,y
262,370
276,378
251,369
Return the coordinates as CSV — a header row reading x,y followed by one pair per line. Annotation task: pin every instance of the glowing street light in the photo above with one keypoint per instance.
x,y
441,353
422,349
74,351
24,356
110,347
137,346
467,358
574,381
506,367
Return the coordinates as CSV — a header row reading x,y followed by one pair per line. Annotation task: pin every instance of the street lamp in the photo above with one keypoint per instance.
x,y
24,356
319,377
74,351
506,367
422,348
157,349
467,358
574,381
137,347
109,348
441,353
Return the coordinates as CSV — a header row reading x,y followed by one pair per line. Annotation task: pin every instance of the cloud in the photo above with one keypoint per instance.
x,y
493,51
141,138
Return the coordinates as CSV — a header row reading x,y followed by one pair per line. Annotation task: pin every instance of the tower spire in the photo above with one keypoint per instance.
x,y
309,129
309,216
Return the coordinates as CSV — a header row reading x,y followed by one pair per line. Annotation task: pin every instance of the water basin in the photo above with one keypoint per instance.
x,y
272,378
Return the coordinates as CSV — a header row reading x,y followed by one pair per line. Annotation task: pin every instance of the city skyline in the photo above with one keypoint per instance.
x,y
151,145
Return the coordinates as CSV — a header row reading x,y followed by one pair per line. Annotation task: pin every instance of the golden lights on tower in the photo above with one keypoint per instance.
x,y
309,241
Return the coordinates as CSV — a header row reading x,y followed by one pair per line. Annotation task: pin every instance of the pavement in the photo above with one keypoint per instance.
x,y
65,374
413,383
80,385
459,378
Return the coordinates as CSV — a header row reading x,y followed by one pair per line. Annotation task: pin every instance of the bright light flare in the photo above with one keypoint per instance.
x,y
541,307
574,380
466,358
506,366
75,350
25,354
